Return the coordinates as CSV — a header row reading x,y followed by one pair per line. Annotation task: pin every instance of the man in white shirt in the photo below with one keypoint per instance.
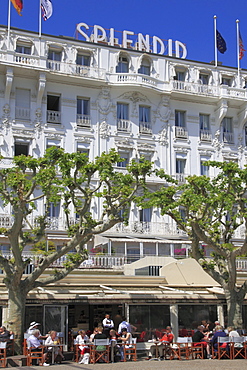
x,y
108,324
124,325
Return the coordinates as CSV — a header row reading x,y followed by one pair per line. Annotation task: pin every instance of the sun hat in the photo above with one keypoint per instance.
x,y
33,324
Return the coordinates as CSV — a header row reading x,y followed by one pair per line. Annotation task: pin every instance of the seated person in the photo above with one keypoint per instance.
x,y
126,339
82,339
34,326
166,338
201,337
91,338
4,334
219,332
232,332
53,339
100,334
35,345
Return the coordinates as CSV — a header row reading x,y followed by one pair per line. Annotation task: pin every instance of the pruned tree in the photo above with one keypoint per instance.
x,y
213,211
75,181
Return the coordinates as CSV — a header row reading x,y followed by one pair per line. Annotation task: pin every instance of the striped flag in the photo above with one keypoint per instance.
x,y
18,5
46,6
241,46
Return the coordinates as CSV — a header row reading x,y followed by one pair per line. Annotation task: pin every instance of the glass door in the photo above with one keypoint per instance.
x,y
56,318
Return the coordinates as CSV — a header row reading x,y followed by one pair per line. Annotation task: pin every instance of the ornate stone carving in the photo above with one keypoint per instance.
x,y
135,97
216,142
163,110
104,101
6,117
104,129
162,137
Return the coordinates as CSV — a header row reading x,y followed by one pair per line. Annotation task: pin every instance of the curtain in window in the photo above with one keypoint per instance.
x,y
227,124
144,114
204,122
123,111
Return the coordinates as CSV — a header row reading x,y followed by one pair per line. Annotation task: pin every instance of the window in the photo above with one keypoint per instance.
x,y
83,112
204,168
125,158
180,124
205,132
22,104
123,123
227,130
180,165
145,120
50,143
81,149
53,109
54,210
145,67
21,148
123,65
226,81
182,214
23,49
54,59
83,60
204,78
180,76
145,215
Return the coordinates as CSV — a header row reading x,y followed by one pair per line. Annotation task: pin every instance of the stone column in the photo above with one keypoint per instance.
x,y
174,319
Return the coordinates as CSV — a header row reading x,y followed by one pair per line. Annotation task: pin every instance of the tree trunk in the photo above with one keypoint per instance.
x,y
234,301
16,314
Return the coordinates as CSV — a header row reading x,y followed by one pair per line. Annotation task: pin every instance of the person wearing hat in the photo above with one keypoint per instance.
x,y
34,326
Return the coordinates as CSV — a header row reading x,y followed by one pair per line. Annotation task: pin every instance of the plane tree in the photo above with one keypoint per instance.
x,y
69,178
213,212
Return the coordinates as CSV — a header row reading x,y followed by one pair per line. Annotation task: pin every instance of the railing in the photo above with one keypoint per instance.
x,y
151,228
205,135
74,69
228,137
123,125
83,120
22,113
145,128
195,88
130,78
181,132
26,59
180,177
53,116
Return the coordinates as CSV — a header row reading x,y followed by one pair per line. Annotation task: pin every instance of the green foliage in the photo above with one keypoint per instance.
x,y
42,247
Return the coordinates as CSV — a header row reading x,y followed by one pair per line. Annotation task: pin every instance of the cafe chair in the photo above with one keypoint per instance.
x,y
3,354
26,336
197,350
130,350
99,351
224,348
34,354
237,347
181,349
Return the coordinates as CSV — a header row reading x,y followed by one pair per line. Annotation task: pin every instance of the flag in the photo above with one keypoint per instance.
x,y
46,6
221,44
18,5
241,46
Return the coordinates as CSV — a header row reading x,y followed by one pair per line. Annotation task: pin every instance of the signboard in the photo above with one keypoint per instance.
x,y
143,43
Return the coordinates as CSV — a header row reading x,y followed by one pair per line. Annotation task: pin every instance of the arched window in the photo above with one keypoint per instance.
x,y
144,67
123,64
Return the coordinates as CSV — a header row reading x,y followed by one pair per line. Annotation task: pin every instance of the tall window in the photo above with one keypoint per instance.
x,y
145,215
23,49
53,109
83,112
22,104
226,81
227,129
205,132
83,59
180,76
145,67
54,59
145,119
125,160
21,148
204,78
82,149
54,210
204,168
180,165
180,118
123,123
123,65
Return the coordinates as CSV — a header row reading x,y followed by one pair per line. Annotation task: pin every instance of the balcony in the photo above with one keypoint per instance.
x,y
145,128
180,177
27,59
181,132
22,113
83,120
228,137
123,125
53,116
74,69
205,135
133,78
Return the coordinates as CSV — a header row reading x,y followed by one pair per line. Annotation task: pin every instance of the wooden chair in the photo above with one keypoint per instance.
x,y
197,350
224,348
11,345
100,351
26,336
181,349
130,350
3,354
34,354
237,347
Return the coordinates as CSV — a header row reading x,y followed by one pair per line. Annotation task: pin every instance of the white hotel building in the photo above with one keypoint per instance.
x,y
91,97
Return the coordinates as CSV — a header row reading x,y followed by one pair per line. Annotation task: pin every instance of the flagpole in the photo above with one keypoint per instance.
x,y
238,60
40,25
9,10
215,43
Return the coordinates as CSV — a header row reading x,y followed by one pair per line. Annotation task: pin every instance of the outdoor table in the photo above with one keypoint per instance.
x,y
53,347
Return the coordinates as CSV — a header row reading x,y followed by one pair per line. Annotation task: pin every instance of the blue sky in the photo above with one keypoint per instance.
x,y
189,21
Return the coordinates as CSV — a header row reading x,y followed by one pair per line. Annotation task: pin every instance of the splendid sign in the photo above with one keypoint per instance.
x,y
143,42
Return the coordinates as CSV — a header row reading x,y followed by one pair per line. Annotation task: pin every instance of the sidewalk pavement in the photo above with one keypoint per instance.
x,y
150,365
